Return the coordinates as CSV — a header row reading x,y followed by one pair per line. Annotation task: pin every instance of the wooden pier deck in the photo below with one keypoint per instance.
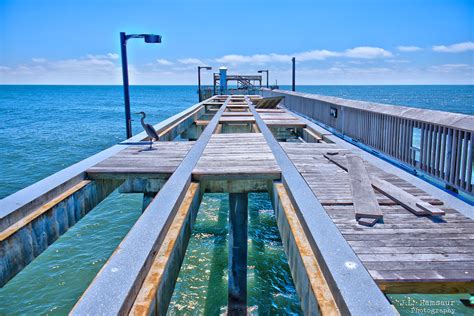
x,y
418,244
406,253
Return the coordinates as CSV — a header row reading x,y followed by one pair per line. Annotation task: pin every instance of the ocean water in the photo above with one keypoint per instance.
x,y
449,98
44,129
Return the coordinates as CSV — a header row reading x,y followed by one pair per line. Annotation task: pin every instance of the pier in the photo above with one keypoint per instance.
x,y
356,217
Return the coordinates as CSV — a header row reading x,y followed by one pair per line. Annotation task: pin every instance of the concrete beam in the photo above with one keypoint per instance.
x,y
157,289
353,288
115,288
23,241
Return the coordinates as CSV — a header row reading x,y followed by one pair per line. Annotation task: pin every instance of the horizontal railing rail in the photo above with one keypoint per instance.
x,y
439,144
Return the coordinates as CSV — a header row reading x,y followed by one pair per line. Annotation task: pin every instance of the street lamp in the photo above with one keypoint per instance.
x,y
199,79
293,74
149,38
261,71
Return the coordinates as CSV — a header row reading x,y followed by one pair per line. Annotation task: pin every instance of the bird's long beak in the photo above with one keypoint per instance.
x,y
138,113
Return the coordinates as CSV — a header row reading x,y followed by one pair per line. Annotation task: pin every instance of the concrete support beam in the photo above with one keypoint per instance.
x,y
116,286
238,222
312,287
23,241
157,289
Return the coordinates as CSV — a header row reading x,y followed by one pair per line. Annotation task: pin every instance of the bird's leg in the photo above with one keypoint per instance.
x,y
151,143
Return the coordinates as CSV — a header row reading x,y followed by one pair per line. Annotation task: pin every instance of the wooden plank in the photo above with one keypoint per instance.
x,y
402,197
284,123
237,119
237,114
431,287
365,202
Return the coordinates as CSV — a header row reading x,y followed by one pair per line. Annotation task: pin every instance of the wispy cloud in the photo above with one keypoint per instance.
x,y
87,69
445,68
454,48
191,61
111,56
408,49
164,62
38,60
363,52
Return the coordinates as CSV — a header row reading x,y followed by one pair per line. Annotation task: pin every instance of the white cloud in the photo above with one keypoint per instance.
x,y
111,56
397,61
454,48
89,69
367,52
408,49
164,62
451,68
363,52
191,61
38,60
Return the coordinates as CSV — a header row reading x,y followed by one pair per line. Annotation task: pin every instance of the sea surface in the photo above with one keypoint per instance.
x,y
44,129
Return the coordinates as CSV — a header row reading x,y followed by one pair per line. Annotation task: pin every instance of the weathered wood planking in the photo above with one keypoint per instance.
x,y
237,155
406,253
158,163
237,114
410,202
364,200
237,119
270,111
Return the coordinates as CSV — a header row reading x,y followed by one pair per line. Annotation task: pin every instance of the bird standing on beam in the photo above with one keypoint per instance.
x,y
149,129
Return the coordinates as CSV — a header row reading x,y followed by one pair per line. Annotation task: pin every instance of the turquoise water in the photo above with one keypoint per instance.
x,y
53,282
202,283
47,128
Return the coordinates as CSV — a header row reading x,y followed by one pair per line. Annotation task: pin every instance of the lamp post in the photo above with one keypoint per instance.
x,y
261,71
149,38
199,79
293,85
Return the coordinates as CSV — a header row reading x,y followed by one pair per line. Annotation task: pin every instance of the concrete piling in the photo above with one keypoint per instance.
x,y
238,222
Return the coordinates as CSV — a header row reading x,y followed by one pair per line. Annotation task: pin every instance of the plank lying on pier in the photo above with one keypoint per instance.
x,y
408,201
404,254
135,161
237,155
364,199
335,189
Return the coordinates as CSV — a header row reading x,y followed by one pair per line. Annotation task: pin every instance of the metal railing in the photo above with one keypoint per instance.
x,y
439,144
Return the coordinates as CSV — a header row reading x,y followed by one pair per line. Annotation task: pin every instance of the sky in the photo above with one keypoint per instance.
x,y
334,41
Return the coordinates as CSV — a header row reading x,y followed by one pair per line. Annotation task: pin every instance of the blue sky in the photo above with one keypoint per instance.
x,y
335,42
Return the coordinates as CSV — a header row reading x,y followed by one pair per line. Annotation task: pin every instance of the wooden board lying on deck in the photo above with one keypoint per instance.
x,y
134,160
405,253
237,155
364,199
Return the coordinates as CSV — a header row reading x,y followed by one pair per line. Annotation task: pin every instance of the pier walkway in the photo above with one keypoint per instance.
x,y
353,227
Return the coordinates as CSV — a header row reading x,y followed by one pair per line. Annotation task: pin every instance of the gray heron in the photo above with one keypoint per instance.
x,y
149,129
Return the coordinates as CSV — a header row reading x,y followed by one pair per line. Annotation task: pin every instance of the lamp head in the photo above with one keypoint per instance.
x,y
152,38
